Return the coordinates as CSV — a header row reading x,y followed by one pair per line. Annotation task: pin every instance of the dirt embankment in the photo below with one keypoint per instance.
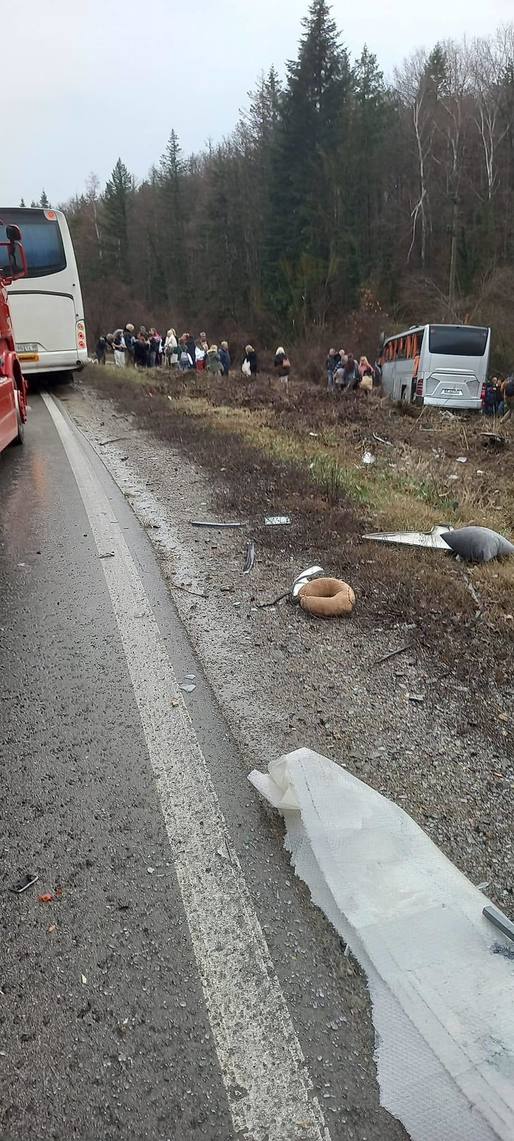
x,y
203,450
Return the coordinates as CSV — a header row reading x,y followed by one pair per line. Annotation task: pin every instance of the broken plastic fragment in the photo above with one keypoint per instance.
x,y
431,538
368,458
441,1001
188,687
277,520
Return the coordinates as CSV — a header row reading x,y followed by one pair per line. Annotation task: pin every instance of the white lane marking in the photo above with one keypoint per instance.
x,y
268,1086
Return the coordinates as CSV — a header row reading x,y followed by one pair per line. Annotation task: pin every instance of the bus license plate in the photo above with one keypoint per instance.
x,y
452,391
28,356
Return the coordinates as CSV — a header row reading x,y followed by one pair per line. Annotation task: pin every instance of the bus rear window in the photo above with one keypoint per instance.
x,y
457,340
41,238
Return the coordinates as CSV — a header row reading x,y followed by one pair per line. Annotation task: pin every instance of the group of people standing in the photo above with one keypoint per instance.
x,y
148,349
346,374
498,396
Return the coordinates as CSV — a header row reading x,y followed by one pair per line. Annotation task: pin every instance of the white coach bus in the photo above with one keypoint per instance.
x,y
46,306
441,365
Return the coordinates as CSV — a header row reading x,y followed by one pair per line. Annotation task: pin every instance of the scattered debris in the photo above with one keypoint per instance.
x,y
326,597
417,697
116,440
47,897
478,544
83,980
109,555
52,928
368,458
433,539
221,526
392,654
150,871
501,949
493,439
461,460
277,520
24,883
360,884
265,605
224,851
306,576
314,434
249,562
175,701
179,586
499,920
190,677
188,687
380,440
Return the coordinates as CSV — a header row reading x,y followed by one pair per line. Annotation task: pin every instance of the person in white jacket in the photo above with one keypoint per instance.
x,y
171,349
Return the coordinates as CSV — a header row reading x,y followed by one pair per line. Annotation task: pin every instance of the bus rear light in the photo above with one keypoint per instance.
x,y
50,215
81,335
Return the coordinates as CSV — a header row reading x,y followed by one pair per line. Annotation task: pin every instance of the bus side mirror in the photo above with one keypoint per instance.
x,y
13,233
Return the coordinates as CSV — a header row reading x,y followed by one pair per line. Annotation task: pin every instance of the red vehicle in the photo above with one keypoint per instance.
x,y
13,386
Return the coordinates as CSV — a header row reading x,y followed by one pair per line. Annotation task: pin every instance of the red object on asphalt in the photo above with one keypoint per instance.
x,y
13,386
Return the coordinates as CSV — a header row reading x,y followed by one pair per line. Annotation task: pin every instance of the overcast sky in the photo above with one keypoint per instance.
x,y
87,80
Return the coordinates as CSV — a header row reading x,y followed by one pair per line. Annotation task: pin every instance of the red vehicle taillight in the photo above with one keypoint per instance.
x,y
81,335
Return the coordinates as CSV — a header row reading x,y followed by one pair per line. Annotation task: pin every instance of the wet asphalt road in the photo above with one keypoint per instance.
x,y
104,1027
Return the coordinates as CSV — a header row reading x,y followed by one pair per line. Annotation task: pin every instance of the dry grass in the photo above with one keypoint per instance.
x,y
302,452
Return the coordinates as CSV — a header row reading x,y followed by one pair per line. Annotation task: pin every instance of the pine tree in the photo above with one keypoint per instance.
x,y
43,201
22,204
119,190
171,183
302,249
370,122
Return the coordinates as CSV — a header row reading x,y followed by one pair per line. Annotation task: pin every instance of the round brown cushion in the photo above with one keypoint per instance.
x,y
326,597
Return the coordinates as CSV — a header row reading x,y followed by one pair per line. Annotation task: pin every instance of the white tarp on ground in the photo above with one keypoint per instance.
x,y
443,1002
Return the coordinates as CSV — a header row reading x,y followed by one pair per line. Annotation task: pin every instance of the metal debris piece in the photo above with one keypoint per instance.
x,y
306,576
380,440
499,920
109,555
417,697
392,654
369,458
277,520
190,677
461,460
24,883
188,687
249,562
432,539
208,523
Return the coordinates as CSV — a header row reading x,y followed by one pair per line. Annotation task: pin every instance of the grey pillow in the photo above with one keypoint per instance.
x,y
477,544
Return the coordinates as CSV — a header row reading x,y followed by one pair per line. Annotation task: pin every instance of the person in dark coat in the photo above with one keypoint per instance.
x,y
225,359
141,351
101,349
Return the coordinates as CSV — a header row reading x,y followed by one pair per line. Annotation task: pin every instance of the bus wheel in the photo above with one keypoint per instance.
x,y
21,427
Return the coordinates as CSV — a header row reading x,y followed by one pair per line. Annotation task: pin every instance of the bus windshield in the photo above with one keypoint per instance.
x,y
457,340
41,238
